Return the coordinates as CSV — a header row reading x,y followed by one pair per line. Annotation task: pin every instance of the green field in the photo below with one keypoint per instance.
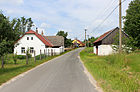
x,y
114,73
11,70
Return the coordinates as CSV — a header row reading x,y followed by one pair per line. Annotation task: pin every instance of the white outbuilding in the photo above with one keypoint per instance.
x,y
103,45
33,41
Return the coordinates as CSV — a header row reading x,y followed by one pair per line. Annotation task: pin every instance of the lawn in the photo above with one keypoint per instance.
x,y
11,70
114,73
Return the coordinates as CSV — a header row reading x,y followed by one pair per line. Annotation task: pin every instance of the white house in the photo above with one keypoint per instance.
x,y
33,41
103,45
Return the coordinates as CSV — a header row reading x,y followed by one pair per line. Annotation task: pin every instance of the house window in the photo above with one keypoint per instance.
x,y
22,49
31,38
27,38
31,49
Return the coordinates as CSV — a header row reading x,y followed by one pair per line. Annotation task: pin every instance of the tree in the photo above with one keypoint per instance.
x,y
67,42
6,37
90,41
132,23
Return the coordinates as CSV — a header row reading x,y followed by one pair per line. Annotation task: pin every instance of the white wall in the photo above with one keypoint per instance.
x,y
23,42
104,50
56,51
37,44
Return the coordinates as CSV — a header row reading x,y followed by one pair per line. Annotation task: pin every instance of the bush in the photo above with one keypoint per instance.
x,y
15,58
23,56
38,56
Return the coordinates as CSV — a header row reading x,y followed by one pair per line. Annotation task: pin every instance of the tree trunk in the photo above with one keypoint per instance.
x,y
2,63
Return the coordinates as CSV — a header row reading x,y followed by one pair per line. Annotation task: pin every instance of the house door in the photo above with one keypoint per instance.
x,y
96,50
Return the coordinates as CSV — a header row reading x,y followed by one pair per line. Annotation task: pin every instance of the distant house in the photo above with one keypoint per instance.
x,y
103,45
78,43
58,43
33,41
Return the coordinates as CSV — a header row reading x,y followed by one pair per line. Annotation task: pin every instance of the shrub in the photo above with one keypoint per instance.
x,y
23,56
15,58
38,56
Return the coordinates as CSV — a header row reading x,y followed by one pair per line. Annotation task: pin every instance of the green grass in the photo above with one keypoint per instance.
x,y
114,73
11,70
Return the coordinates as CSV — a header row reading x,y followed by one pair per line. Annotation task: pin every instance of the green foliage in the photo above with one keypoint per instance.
x,y
132,23
114,73
91,40
21,56
67,42
7,35
22,24
38,56
15,58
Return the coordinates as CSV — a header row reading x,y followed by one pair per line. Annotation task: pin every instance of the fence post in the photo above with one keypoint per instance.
x,y
48,52
40,55
34,56
27,57
51,52
2,63
44,54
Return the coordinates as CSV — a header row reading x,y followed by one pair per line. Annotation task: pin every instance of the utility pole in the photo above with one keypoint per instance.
x,y
88,40
85,36
120,26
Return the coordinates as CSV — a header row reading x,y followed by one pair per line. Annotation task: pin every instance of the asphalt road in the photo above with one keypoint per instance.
x,y
63,74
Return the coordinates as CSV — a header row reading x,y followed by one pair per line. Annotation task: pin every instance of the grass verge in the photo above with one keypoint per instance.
x,y
114,73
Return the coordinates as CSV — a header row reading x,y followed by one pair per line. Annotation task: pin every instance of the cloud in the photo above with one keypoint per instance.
x,y
12,2
71,16
45,25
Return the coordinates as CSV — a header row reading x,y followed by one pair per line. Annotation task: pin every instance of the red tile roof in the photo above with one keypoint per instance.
x,y
102,36
41,37
81,42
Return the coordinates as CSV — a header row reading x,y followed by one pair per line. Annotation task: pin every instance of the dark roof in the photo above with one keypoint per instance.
x,y
105,35
56,40
41,37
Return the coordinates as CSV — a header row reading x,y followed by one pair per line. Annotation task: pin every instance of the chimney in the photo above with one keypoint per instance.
x,y
37,30
42,32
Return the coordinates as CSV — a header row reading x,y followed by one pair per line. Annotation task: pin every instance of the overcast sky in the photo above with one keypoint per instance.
x,y
72,16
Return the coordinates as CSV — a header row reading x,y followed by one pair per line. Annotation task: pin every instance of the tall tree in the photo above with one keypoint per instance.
x,y
7,36
67,42
30,24
132,23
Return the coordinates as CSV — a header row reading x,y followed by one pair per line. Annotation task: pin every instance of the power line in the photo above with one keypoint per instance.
x,y
108,16
111,2
104,10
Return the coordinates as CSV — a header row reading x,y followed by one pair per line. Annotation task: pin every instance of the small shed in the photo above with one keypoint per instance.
x,y
103,45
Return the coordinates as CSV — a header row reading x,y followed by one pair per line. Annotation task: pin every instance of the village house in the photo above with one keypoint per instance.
x,y
78,43
33,41
103,45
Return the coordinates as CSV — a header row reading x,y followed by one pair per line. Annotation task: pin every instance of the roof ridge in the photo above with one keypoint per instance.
x,y
48,40
104,35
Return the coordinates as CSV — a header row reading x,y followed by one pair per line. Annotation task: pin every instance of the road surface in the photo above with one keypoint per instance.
x,y
63,74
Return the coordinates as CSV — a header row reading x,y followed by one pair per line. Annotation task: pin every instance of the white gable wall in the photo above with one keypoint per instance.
x,y
55,51
104,50
23,42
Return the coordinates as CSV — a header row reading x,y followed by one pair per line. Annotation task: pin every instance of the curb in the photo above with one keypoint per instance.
x,y
91,78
